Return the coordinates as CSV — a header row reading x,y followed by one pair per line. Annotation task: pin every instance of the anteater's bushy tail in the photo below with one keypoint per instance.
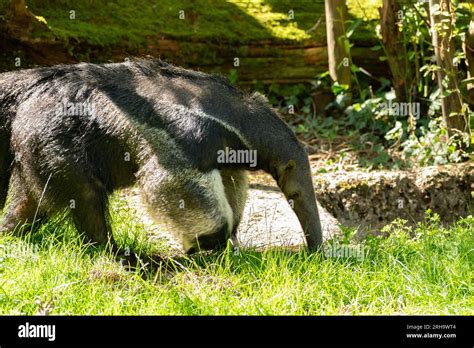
x,y
5,162
5,156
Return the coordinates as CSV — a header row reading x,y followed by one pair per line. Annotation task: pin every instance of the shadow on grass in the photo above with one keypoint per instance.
x,y
152,264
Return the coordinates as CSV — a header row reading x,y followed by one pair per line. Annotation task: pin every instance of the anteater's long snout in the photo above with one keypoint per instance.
x,y
295,181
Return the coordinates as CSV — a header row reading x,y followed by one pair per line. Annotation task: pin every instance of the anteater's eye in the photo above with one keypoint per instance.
x,y
294,196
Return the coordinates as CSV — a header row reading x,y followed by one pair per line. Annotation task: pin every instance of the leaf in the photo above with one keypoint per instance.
x,y
466,81
384,82
336,88
390,95
353,27
396,132
354,68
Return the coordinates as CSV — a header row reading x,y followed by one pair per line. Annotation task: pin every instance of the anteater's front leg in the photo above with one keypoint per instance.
x,y
194,203
236,185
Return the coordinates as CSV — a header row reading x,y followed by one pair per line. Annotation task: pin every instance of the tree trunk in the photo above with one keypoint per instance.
x,y
469,51
396,51
442,22
18,14
20,21
18,8
338,47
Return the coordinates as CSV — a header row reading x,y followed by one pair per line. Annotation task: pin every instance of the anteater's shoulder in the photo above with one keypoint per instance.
x,y
153,66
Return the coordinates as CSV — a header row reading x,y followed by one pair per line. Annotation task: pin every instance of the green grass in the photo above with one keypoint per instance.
x,y
113,22
121,22
427,269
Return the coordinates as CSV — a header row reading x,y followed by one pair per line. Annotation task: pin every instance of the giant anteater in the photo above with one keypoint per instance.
x,y
72,134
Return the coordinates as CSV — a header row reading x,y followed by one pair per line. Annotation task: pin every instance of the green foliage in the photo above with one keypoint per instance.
x,y
369,116
433,146
365,9
233,76
289,97
415,138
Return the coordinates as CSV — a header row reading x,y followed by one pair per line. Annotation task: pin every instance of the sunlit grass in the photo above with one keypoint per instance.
x,y
280,25
365,9
427,269
108,23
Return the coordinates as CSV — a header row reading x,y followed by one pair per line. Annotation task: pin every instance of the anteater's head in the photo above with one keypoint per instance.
x,y
285,158
293,175
294,179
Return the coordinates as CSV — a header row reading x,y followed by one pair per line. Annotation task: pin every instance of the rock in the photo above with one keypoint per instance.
x,y
371,200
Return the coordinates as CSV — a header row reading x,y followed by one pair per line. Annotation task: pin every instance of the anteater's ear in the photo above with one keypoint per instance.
x,y
284,170
290,166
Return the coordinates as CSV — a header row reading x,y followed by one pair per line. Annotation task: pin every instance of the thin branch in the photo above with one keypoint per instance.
x,y
314,27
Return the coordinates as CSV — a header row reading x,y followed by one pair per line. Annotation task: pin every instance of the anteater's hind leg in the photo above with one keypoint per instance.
x,y
236,185
90,216
86,199
22,208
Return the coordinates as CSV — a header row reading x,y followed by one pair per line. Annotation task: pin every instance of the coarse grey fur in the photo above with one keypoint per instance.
x,y
153,123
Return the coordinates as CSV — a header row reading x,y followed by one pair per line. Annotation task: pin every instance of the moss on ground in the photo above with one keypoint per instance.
x,y
110,23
